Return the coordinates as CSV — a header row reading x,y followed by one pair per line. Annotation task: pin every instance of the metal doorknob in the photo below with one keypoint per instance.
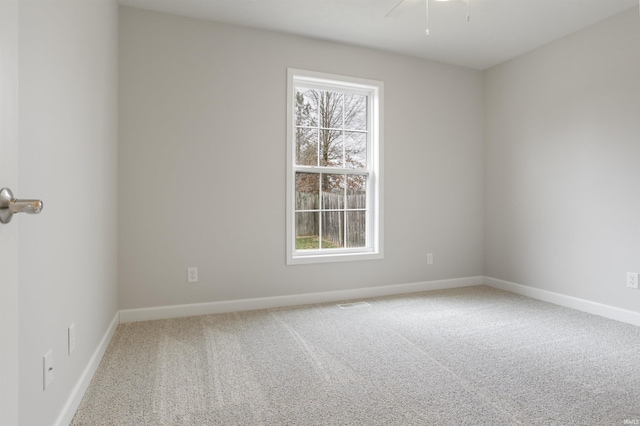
x,y
10,205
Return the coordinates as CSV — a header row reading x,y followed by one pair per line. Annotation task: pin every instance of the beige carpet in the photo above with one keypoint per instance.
x,y
470,356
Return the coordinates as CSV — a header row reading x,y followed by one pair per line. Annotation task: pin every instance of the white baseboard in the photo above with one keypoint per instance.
x,y
611,312
174,311
131,315
70,408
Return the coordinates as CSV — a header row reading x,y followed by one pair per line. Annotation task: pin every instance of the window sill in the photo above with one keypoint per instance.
x,y
333,257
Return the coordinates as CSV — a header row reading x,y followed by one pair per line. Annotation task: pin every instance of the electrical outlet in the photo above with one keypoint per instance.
x,y
192,275
429,258
71,334
47,367
632,280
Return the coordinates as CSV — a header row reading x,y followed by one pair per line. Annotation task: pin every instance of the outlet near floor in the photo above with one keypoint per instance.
x,y
632,280
192,275
71,341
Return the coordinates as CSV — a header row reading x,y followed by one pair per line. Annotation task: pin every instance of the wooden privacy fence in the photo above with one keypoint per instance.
x,y
334,215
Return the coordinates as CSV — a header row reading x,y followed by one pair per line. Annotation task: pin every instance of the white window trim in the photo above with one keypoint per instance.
x,y
374,90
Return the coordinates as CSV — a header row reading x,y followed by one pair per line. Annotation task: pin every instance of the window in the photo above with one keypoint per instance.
x,y
334,168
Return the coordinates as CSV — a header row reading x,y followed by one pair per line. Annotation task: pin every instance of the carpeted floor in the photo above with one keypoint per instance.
x,y
474,355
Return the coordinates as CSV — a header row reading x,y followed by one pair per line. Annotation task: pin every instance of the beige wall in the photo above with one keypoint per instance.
x,y
68,154
562,174
202,163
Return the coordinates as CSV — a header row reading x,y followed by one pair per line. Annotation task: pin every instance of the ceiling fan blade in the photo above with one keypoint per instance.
x,y
401,7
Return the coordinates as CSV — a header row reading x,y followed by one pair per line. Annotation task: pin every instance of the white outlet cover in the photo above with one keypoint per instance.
x,y
47,366
192,275
632,280
72,338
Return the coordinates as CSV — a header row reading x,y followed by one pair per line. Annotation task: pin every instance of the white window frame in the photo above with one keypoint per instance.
x,y
374,92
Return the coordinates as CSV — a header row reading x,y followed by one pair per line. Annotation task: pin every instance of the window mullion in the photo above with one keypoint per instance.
x,y
318,137
332,170
344,212
320,215
344,176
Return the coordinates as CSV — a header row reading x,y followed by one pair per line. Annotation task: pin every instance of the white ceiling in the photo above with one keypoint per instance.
x,y
498,30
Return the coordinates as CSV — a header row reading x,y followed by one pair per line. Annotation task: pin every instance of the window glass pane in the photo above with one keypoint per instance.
x,y
333,191
307,231
356,229
306,107
330,109
333,229
355,150
306,146
356,192
355,117
307,191
331,148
